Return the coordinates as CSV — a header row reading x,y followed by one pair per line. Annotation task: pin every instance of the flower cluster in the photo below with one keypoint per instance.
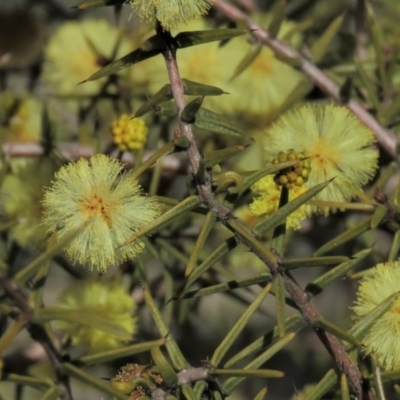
x,y
129,134
336,144
266,201
105,299
382,339
97,193
170,13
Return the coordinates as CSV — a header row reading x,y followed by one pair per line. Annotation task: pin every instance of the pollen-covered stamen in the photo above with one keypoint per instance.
x,y
293,176
96,206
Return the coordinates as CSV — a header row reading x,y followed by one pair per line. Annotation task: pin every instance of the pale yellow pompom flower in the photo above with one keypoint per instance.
x,y
382,339
21,197
77,50
96,190
108,300
266,201
337,143
255,97
170,13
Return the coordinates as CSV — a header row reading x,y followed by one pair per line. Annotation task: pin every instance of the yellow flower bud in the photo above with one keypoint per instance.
x,y
129,133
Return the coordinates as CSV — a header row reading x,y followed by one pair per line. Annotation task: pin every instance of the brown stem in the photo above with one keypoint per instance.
x,y
309,312
38,333
185,129
386,138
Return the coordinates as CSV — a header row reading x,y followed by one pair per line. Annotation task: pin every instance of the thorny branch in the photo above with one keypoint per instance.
x,y
39,334
386,138
309,312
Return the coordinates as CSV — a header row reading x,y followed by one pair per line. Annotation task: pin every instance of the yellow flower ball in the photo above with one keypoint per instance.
x,y
22,116
21,198
108,300
94,191
382,339
170,13
129,134
77,50
337,143
255,97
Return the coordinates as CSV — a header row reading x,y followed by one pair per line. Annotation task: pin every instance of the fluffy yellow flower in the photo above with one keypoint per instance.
x,y
96,191
255,97
21,198
22,118
108,300
170,13
383,337
338,144
70,57
266,201
129,134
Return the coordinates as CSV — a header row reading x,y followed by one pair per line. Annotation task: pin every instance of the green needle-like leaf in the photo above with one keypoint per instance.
x,y
193,38
215,157
260,248
362,326
278,16
395,247
100,3
379,215
124,62
175,354
144,166
231,383
248,373
353,232
378,47
192,88
92,382
32,268
163,95
308,262
191,109
52,393
330,379
82,317
279,288
247,60
166,371
212,258
292,323
369,85
338,332
210,121
261,394
184,206
122,352
37,383
321,45
205,230
226,344
228,286
317,285
188,392
344,388
268,170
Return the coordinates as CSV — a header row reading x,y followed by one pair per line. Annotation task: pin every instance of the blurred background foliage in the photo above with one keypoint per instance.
x,y
47,47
